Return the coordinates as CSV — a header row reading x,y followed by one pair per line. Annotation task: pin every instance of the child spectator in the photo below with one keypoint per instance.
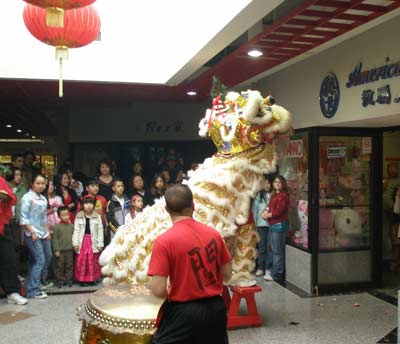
x,y
260,203
54,202
87,242
136,207
62,248
117,207
92,189
37,238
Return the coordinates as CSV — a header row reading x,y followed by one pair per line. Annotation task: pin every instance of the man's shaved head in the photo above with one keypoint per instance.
x,y
179,198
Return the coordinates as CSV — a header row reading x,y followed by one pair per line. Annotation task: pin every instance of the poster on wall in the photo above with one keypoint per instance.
x,y
336,152
366,145
295,149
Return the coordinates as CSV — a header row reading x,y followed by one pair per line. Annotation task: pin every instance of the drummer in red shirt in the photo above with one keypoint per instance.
x,y
195,259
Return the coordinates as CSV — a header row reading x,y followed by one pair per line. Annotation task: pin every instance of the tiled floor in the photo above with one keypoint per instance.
x,y
331,319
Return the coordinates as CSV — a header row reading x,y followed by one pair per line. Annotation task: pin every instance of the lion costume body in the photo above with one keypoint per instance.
x,y
245,128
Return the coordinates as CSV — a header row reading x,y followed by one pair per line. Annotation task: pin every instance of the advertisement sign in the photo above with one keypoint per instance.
x,y
295,149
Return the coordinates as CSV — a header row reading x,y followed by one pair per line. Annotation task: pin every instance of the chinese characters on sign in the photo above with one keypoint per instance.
x,y
153,127
384,96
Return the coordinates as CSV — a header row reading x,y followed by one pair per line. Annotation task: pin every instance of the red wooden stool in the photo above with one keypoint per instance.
x,y
233,304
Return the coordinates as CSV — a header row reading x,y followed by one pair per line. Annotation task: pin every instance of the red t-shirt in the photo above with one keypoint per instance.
x,y
278,206
192,255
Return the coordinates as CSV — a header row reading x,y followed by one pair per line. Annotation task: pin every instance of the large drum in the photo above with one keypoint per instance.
x,y
122,314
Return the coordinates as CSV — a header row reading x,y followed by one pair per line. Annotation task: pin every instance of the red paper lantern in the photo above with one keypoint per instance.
x,y
82,26
55,9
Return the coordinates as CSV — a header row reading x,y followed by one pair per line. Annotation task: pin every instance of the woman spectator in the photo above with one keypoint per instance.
x,y
136,187
37,237
277,216
68,196
157,189
75,185
8,260
260,203
105,177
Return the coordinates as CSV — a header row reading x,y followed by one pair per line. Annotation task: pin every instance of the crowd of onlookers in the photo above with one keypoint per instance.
x,y
65,221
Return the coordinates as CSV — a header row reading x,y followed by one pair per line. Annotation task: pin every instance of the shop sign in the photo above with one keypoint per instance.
x,y
295,149
154,127
329,96
360,77
336,152
382,95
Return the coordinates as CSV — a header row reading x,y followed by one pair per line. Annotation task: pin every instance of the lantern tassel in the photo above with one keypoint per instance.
x,y
61,54
54,17
60,82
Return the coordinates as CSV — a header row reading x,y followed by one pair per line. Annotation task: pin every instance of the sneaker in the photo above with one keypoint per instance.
x,y
48,284
268,277
42,295
60,284
17,299
21,278
69,283
259,272
42,287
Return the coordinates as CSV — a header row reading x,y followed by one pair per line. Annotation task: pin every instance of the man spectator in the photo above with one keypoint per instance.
x,y
28,170
195,259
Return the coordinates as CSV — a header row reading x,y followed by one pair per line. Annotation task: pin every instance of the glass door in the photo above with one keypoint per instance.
x,y
344,202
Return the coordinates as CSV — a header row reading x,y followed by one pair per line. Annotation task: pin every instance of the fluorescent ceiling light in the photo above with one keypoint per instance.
x,y
255,53
141,41
191,93
9,126
21,140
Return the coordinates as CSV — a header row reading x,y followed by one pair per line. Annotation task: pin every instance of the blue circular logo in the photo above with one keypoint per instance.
x,y
329,96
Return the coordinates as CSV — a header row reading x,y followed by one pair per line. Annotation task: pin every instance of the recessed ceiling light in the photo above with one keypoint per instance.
x,y
191,93
9,126
34,137
26,134
19,131
255,53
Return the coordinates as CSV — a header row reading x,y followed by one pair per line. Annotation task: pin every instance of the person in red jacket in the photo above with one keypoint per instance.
x,y
277,216
9,281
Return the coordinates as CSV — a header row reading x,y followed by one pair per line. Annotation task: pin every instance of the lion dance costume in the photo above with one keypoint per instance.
x,y
245,129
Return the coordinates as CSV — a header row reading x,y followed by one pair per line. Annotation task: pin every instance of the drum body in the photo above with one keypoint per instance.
x,y
119,314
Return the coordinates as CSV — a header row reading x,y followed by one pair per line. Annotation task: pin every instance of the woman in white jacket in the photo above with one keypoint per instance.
x,y
88,242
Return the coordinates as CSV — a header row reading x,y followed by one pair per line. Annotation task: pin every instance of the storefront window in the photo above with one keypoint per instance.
x,y
344,192
295,169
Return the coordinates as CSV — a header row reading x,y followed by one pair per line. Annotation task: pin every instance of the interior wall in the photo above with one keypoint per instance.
x,y
137,122
297,87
